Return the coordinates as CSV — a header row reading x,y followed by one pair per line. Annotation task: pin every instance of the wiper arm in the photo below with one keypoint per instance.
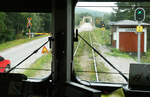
x,y
29,56
104,58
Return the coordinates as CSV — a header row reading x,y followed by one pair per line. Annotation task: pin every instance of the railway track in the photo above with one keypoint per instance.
x,y
99,69
77,48
94,59
93,55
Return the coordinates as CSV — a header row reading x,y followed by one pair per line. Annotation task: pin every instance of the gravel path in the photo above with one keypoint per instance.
x,y
120,63
85,63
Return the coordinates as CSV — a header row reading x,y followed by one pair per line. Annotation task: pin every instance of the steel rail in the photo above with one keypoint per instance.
x,y
104,58
95,65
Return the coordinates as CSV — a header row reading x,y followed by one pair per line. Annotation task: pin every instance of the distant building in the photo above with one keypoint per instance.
x,y
124,36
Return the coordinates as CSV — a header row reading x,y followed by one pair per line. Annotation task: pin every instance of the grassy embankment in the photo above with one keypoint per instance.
x,y
99,38
146,58
80,64
85,48
14,43
43,62
115,52
104,39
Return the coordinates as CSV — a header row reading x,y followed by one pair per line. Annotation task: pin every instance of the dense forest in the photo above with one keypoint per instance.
x,y
13,25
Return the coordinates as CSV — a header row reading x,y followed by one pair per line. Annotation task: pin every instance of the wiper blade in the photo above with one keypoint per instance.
x,y
28,57
104,58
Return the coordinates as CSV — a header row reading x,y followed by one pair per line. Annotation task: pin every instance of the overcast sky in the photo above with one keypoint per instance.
x,y
103,5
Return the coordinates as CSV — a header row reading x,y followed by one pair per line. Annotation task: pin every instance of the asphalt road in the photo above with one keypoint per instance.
x,y
18,53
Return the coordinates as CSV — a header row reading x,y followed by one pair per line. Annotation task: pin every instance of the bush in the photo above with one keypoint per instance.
x,y
20,36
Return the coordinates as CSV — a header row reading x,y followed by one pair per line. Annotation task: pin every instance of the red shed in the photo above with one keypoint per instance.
x,y
124,36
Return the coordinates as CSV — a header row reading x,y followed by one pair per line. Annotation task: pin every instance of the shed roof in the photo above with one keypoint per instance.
x,y
127,22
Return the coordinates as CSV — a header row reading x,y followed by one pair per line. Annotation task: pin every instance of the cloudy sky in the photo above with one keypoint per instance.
x,y
103,6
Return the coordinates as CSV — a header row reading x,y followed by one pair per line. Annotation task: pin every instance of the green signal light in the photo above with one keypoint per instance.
x,y
139,12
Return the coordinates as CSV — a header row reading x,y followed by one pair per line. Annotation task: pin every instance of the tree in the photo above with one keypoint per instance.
x,y
98,22
2,26
46,21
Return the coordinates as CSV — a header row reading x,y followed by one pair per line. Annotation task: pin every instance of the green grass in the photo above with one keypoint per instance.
x,y
77,67
14,43
146,57
84,47
81,48
102,68
38,64
118,53
102,37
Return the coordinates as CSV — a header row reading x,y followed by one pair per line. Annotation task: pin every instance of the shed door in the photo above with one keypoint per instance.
x,y
128,42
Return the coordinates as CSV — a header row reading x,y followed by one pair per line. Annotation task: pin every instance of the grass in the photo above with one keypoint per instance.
x,y
146,57
103,37
90,55
77,66
118,53
98,38
102,68
83,47
38,64
14,43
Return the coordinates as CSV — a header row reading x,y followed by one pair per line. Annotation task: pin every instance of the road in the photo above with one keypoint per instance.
x,y
18,53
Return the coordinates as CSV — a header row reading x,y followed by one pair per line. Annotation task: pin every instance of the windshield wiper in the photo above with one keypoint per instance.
x,y
104,58
49,39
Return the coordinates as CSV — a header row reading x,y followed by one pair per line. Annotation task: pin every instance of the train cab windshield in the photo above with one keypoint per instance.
x,y
110,44
77,48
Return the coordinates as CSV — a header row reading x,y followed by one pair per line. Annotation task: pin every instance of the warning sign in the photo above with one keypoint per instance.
x,y
103,29
29,24
44,50
139,28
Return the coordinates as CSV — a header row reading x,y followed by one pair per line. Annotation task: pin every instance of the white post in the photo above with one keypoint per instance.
x,y
145,39
139,46
117,41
